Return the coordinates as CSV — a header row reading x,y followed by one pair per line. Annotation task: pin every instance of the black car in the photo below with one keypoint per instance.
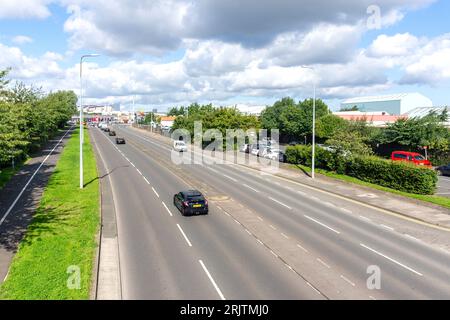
x,y
190,202
120,140
443,170
112,133
106,129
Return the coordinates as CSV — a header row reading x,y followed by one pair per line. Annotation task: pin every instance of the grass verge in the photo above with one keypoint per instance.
x,y
441,201
61,239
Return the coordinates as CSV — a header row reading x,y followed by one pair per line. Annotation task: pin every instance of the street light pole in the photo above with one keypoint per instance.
x,y
313,158
81,116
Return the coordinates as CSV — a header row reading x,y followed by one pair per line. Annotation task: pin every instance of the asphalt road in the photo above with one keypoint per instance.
x,y
275,239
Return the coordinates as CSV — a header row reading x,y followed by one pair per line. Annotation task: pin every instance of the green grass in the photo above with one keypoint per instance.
x,y
442,201
62,233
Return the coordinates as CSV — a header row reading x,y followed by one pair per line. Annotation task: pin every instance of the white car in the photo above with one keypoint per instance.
x,y
255,151
179,146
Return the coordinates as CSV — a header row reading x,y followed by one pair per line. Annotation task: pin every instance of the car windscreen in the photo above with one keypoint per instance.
x,y
195,198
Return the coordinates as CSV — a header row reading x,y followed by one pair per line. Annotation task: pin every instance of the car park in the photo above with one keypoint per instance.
x,y
112,133
190,202
120,140
179,145
411,157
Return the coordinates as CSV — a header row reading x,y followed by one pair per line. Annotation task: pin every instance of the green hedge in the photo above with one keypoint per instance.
x,y
396,175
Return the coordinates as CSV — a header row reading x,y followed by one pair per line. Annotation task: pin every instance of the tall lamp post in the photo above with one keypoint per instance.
x,y
81,116
313,126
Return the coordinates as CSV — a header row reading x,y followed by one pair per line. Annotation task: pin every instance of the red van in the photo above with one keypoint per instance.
x,y
412,157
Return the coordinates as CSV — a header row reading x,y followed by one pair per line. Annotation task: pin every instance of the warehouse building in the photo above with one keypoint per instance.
x,y
394,104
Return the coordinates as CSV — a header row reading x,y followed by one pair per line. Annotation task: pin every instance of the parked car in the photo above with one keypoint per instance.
x,y
411,157
263,151
254,149
112,133
276,154
443,170
106,129
190,202
120,140
245,148
179,145
293,143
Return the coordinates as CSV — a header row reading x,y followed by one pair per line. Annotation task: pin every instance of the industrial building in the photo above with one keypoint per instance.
x,y
394,104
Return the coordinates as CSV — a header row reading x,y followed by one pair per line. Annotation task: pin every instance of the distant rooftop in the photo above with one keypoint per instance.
x,y
389,97
422,112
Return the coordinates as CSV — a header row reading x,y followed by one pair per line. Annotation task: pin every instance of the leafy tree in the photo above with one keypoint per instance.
x,y
4,81
21,93
175,111
149,117
354,108
350,142
329,125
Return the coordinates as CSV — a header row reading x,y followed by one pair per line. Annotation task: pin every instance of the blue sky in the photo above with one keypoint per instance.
x,y
167,55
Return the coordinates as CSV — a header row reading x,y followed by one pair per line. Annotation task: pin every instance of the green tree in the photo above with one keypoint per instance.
x,y
354,108
329,125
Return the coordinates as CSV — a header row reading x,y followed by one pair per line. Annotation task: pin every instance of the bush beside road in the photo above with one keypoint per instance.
x,y
61,239
394,175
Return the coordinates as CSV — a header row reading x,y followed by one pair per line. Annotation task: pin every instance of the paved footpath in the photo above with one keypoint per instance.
x,y
20,197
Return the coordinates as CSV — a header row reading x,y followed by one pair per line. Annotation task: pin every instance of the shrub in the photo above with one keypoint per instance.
x,y
396,175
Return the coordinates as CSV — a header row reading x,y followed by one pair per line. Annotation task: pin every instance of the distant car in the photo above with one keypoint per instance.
x,y
180,146
293,143
120,140
190,202
106,129
443,170
112,133
255,150
411,157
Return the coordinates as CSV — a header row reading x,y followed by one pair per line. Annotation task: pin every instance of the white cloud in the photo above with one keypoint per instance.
x,y
393,46
10,9
20,39
422,60
25,67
